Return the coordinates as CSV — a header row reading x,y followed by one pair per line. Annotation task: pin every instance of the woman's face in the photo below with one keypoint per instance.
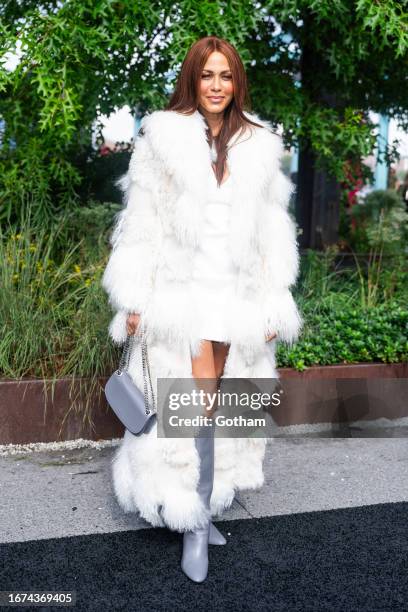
x,y
216,87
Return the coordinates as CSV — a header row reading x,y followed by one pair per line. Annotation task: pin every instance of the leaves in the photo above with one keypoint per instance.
x,y
350,336
341,324
83,58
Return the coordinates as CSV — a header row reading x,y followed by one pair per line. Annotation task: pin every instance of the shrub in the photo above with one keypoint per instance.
x,y
340,332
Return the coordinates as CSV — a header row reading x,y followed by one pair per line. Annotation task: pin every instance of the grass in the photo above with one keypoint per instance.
x,y
54,314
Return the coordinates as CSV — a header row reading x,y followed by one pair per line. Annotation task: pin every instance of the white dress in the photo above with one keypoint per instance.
x,y
214,273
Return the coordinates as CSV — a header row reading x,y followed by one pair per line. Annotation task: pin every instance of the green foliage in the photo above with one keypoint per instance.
x,y
83,58
340,332
380,231
325,275
349,57
53,311
336,139
351,314
90,224
382,222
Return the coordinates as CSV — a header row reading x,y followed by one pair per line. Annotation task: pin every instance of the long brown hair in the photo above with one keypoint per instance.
x,y
185,98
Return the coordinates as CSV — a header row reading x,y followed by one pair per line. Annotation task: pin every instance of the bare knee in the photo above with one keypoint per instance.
x,y
203,366
220,357
204,371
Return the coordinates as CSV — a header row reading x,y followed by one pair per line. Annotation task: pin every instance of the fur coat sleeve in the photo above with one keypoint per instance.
x,y
279,255
129,274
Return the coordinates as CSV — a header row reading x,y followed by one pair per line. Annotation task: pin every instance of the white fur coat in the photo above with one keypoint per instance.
x,y
149,272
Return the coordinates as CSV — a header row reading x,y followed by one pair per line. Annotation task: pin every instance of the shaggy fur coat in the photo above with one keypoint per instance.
x,y
149,271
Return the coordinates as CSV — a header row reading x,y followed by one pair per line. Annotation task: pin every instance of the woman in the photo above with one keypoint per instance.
x,y
204,254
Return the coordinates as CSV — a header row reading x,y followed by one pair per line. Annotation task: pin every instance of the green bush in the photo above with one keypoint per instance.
x,y
341,324
89,225
340,332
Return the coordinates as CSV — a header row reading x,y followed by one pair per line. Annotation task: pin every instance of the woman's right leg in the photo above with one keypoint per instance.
x,y
211,360
203,365
204,370
220,350
194,562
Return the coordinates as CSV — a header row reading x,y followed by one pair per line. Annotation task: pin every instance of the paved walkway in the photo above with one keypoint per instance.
x,y
65,492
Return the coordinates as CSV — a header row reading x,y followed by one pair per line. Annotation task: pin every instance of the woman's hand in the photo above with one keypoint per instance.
x,y
132,323
271,336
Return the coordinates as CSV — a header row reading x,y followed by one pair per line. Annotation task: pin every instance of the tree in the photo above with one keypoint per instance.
x,y
314,66
328,63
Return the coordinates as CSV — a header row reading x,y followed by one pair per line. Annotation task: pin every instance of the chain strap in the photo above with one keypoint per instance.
x,y
124,365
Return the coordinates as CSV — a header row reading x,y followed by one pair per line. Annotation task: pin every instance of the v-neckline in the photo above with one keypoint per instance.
x,y
215,178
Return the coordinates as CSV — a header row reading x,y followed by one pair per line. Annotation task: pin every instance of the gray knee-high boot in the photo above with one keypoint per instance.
x,y
194,562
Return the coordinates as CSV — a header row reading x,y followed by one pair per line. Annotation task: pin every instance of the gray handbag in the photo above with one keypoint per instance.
x,y
130,405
